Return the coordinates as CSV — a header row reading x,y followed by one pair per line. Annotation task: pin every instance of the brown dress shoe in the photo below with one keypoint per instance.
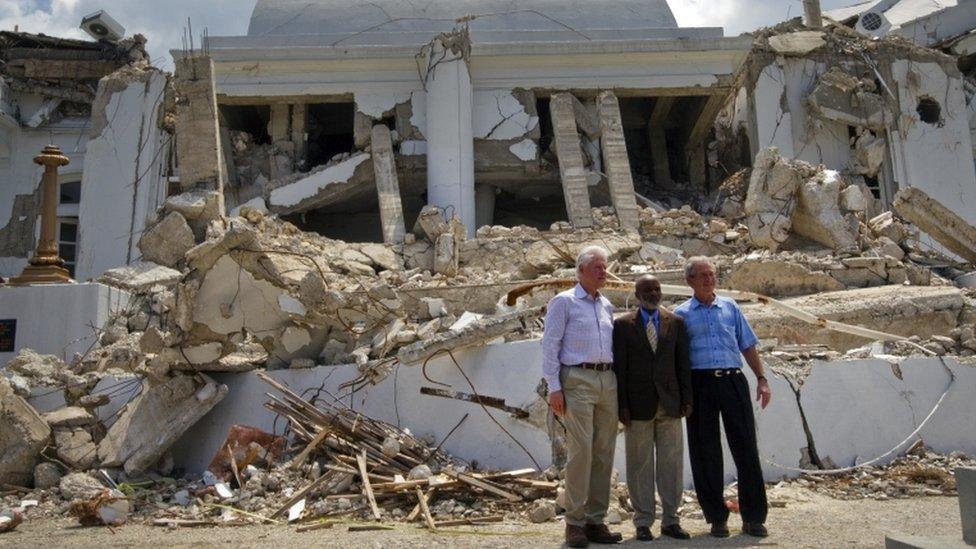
x,y
599,533
576,536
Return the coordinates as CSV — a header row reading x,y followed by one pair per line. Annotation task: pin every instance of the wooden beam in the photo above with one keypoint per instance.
x,y
424,509
415,512
486,486
367,489
299,495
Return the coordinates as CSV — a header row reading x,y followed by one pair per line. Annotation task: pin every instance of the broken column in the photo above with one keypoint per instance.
x,y
198,152
387,185
939,222
155,419
571,172
818,216
616,162
450,135
23,434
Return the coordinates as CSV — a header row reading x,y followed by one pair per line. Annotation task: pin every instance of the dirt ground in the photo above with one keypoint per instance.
x,y
811,521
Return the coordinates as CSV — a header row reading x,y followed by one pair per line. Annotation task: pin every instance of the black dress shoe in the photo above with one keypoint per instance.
x,y
720,530
644,534
675,531
755,529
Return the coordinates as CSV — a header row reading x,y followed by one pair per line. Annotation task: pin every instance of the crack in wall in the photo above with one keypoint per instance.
x,y
811,449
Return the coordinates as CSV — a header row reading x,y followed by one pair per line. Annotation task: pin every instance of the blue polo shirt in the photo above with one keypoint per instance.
x,y
717,333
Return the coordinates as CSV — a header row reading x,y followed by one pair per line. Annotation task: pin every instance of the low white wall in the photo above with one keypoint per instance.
x,y
57,319
856,410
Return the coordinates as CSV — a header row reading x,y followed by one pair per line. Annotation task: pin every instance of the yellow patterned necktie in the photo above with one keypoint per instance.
x,y
651,334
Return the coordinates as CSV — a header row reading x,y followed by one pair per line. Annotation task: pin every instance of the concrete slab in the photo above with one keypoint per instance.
x,y
966,484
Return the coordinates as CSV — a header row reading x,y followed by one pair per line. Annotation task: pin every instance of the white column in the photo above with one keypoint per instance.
x,y
450,138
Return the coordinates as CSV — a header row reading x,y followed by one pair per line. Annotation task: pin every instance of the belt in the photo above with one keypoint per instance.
x,y
598,366
719,372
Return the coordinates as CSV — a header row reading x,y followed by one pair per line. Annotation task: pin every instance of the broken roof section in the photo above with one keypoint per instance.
x,y
926,22
61,68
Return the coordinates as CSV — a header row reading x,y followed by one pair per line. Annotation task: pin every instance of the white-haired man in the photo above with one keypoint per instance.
x,y
577,349
719,336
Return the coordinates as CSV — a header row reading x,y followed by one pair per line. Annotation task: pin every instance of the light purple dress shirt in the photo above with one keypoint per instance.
x,y
579,329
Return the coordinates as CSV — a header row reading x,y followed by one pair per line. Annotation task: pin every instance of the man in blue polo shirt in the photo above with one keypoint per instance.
x,y
719,336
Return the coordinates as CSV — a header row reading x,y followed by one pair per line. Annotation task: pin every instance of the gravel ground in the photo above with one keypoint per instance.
x,y
807,520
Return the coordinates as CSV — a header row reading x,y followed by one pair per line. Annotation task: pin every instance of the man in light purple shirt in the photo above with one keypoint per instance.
x,y
577,364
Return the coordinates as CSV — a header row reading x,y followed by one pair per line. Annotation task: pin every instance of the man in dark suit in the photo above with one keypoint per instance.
x,y
650,358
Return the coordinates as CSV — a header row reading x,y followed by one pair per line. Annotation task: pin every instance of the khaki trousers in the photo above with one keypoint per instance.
x,y
591,433
659,440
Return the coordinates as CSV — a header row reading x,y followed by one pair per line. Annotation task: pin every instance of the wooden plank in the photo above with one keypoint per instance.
x,y
424,509
486,486
415,512
368,527
470,521
182,523
367,489
316,526
309,448
661,110
299,495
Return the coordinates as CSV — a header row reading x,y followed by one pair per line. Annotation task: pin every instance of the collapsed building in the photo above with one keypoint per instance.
x,y
374,203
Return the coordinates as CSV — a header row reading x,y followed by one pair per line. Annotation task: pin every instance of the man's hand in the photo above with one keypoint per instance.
x,y
558,403
624,415
686,410
763,393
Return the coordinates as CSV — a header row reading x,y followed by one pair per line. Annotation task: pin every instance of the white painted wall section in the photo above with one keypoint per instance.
x,y
123,183
935,158
57,319
499,115
525,149
375,104
774,126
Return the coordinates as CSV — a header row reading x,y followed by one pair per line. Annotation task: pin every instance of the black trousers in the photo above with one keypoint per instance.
x,y
729,397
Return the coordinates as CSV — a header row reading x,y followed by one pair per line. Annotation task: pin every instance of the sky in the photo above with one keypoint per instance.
x,y
163,21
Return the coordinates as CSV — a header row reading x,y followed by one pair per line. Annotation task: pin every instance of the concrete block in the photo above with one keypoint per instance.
x,y
938,221
196,115
23,434
966,485
156,418
168,241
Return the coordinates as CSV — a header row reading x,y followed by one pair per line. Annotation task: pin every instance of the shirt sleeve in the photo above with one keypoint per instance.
x,y
743,331
552,339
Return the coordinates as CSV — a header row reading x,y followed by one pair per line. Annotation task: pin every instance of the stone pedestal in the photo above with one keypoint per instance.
x,y
45,266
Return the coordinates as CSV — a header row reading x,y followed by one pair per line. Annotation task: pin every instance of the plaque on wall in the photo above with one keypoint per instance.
x,y
8,335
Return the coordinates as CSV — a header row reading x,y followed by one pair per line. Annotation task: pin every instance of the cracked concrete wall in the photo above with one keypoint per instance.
x,y
123,183
843,403
934,157
782,116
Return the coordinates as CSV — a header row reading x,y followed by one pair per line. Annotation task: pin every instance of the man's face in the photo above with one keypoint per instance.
x,y
593,275
648,292
703,279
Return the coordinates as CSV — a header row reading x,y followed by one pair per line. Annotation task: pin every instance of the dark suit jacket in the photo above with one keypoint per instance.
x,y
644,377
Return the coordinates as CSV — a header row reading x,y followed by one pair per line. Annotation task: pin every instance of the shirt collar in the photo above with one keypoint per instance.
x,y
696,304
580,293
648,314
